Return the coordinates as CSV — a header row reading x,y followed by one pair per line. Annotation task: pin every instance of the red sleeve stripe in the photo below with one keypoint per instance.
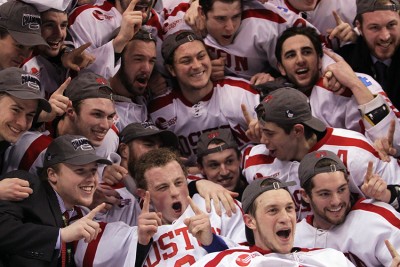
x,y
218,258
91,249
346,141
385,213
237,83
161,102
33,151
106,7
263,14
259,160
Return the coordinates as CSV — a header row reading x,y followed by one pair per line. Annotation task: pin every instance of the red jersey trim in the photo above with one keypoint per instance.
x,y
263,14
92,248
106,7
237,83
33,151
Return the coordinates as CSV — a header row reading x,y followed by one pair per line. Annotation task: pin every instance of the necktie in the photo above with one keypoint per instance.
x,y
65,247
381,74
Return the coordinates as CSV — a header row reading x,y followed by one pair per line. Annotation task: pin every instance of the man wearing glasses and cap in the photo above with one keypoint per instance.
x,y
36,230
270,219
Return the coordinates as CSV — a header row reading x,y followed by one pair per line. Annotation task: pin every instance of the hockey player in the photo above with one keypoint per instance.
x,y
341,221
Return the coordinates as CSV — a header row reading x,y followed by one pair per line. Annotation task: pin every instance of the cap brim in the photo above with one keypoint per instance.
x,y
28,39
26,95
85,159
316,124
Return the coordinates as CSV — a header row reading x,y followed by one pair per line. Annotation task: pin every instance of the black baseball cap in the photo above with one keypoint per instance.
x,y
223,135
288,106
139,130
20,84
71,149
364,6
22,21
307,169
173,41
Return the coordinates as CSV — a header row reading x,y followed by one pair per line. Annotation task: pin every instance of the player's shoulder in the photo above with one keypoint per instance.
x,y
229,82
162,101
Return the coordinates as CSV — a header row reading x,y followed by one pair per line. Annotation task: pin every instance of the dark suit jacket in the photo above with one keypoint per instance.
x,y
359,58
29,228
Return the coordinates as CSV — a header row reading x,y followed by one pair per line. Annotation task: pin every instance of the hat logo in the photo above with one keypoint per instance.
x,y
101,80
81,143
213,135
31,81
289,113
33,21
320,154
267,98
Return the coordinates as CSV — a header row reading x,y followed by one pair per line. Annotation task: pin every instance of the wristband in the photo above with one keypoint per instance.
x,y
374,111
394,193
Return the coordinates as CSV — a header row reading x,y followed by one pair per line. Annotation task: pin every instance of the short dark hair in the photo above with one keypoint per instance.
x,y
359,17
287,128
154,158
207,5
309,32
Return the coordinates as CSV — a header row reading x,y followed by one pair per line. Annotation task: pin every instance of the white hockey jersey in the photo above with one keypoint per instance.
x,y
255,257
360,237
219,109
173,245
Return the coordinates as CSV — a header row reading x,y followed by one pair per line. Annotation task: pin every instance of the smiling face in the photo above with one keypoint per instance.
x,y
381,32
54,31
222,167
74,183
274,221
223,21
12,53
191,66
304,5
300,62
168,190
329,199
94,119
16,117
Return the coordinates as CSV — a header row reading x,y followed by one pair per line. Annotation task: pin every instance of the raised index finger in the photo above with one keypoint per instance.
x,y
333,55
337,18
146,203
132,5
246,114
194,207
369,171
82,48
94,211
391,249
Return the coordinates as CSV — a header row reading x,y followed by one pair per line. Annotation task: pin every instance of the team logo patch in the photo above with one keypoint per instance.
x,y
244,259
101,80
213,135
320,154
81,143
100,16
289,113
268,98
33,21
31,81
163,124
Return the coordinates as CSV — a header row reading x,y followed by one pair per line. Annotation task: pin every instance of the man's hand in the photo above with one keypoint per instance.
x,y
59,103
157,84
148,222
199,225
130,25
393,252
210,190
14,189
339,76
83,228
106,194
113,174
253,131
261,78
218,69
384,145
343,31
374,186
78,59
195,19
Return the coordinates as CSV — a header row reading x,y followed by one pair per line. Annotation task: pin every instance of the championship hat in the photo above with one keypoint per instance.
x,y
20,84
288,106
173,41
22,21
364,6
221,135
71,149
